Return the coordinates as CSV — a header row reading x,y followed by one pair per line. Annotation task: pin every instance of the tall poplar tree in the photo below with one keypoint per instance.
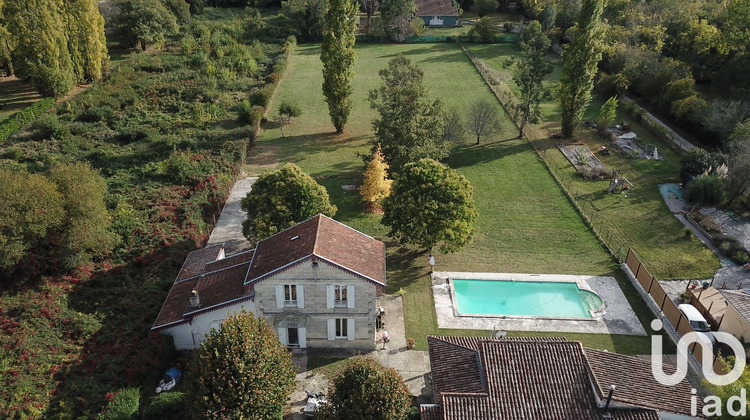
x,y
533,68
337,54
579,65
88,44
41,52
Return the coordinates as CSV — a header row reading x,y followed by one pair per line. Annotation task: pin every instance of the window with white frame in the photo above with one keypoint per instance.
x,y
290,295
341,328
339,293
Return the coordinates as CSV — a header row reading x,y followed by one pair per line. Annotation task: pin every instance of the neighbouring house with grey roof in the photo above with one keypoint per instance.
x,y
316,283
437,12
545,378
736,318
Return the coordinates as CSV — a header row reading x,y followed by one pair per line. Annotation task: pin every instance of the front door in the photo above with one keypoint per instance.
x,y
293,337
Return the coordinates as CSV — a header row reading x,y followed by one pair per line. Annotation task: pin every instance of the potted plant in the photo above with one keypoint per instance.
x,y
686,297
409,343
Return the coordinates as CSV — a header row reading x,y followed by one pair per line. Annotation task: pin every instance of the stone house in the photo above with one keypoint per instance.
x,y
316,283
736,318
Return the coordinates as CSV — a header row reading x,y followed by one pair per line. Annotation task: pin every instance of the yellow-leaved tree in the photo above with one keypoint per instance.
x,y
375,186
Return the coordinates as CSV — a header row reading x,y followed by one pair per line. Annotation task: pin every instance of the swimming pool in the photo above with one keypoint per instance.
x,y
553,299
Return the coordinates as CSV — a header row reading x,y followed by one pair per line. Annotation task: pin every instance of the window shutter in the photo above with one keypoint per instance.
x,y
300,296
350,329
331,329
302,332
283,336
349,296
279,296
330,296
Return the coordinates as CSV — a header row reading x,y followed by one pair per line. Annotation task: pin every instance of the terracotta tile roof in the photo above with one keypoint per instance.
x,y
196,261
429,412
214,288
541,378
229,261
463,373
740,300
322,237
435,8
638,387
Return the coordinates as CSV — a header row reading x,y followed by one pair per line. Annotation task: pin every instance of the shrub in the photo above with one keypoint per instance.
x,y
123,405
484,31
708,190
96,113
49,126
595,173
244,112
166,406
695,162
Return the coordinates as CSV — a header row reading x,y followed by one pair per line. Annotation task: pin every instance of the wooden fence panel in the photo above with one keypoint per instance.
x,y
684,327
658,293
671,312
697,352
645,278
632,261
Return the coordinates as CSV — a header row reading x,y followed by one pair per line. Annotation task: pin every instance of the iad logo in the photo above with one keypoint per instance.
x,y
712,405
657,368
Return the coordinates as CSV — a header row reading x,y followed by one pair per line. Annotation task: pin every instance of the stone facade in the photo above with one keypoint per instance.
x,y
313,281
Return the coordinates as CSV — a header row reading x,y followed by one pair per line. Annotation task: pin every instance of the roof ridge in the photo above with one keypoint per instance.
x,y
317,234
211,272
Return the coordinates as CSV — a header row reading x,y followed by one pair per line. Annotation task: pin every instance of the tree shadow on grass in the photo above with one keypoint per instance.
x,y
121,351
468,155
405,265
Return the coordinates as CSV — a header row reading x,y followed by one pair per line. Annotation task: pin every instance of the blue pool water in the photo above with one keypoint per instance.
x,y
524,298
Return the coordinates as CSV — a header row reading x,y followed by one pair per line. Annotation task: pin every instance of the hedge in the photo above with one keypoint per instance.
x,y
20,119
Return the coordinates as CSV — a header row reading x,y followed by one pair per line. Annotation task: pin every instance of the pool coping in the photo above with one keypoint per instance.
x,y
617,317
582,285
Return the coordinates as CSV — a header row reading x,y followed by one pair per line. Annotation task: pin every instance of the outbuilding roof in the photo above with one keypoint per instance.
x,y
739,300
542,378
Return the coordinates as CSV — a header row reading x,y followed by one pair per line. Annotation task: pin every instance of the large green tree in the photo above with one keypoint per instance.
x,y
41,53
337,54
533,68
6,43
580,60
395,16
367,390
143,22
430,205
241,371
410,126
280,199
32,206
85,232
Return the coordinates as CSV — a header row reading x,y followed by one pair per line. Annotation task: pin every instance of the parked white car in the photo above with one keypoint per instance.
x,y
697,321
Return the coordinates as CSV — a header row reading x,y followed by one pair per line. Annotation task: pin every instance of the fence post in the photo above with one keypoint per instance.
x,y
650,285
678,322
663,301
638,270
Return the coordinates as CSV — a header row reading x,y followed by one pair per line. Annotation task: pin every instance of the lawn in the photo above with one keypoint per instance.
x,y
638,219
526,223
17,95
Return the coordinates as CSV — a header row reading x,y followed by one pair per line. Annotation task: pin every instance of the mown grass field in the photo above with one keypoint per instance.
x,y
638,219
526,223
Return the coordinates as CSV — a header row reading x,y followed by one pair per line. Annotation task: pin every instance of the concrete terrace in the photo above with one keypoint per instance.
x,y
618,317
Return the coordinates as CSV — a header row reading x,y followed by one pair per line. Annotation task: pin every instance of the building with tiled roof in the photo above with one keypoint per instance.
x,y
437,12
544,378
736,318
315,282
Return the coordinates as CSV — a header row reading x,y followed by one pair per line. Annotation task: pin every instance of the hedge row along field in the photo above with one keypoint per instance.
x,y
164,132
16,121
